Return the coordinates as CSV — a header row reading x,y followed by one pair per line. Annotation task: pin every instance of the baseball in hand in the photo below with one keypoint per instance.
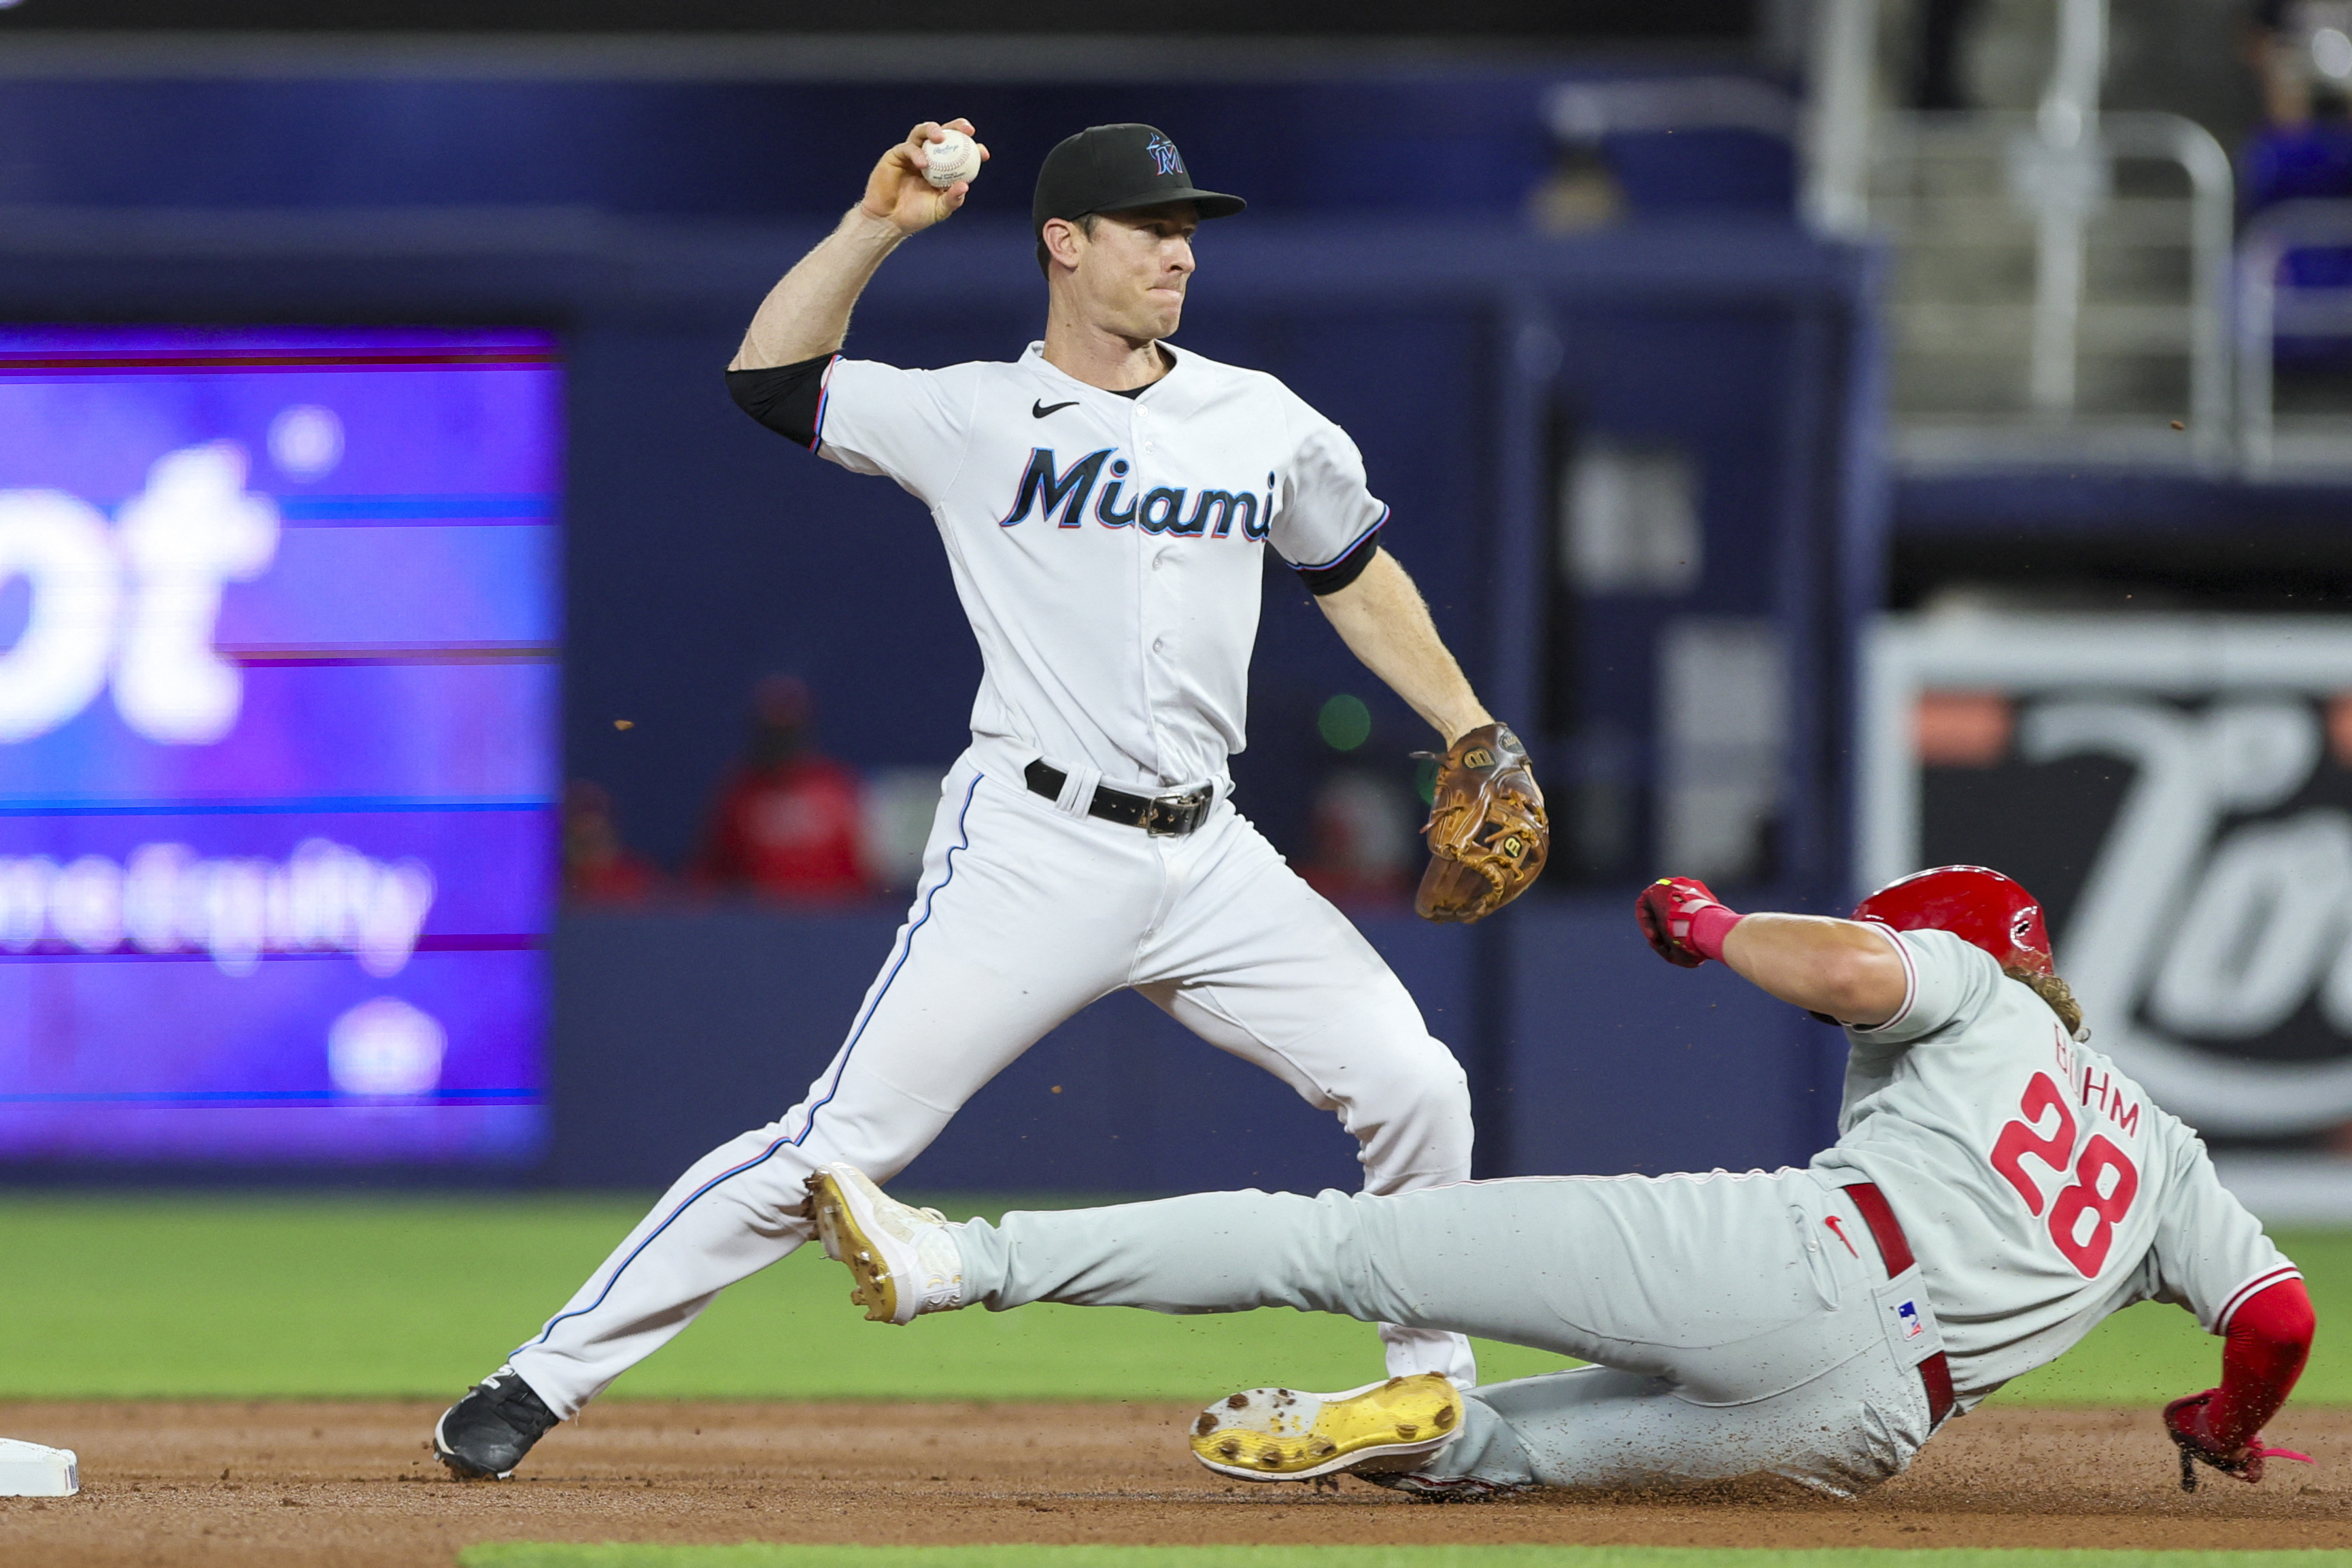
x,y
955,156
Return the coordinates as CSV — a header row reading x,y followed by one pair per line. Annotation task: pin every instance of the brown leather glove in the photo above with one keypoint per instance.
x,y
1487,833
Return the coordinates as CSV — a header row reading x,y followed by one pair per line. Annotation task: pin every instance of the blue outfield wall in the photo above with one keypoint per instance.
x,y
703,553
1458,138
1466,353
1613,1061
676,1030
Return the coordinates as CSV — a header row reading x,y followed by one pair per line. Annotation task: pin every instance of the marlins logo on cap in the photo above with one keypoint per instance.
x,y
1118,168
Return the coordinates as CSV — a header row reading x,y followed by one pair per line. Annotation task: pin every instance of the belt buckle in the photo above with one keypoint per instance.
x,y
1180,814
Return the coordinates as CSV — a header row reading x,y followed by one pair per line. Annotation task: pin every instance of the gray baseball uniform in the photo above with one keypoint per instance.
x,y
1738,1323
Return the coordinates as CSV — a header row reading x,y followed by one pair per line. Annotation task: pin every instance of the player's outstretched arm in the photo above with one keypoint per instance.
x,y
1845,970
1382,619
807,313
2263,1354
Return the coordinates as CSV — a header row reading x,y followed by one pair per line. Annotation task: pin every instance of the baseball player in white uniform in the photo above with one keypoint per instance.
x,y
1104,502
1997,1189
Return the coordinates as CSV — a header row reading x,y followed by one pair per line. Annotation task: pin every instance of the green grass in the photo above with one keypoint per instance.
x,y
2150,1354
372,1297
752,1555
419,1296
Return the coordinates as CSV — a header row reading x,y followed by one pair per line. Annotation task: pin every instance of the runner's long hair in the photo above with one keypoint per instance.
x,y
2054,991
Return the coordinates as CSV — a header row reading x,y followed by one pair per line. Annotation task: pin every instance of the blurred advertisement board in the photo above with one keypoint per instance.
x,y
278,754
2177,791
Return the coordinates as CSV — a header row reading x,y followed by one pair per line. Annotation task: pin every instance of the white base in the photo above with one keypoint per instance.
x,y
28,1469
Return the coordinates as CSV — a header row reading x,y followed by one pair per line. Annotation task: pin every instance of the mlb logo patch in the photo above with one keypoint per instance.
x,y
1908,1315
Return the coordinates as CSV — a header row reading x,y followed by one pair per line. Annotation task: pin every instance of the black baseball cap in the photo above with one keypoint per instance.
x,y
1112,168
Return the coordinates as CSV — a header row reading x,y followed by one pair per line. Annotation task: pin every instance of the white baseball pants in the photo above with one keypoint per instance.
x,y
1735,1329
1027,912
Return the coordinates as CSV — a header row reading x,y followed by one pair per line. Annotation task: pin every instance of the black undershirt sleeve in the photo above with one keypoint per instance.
x,y
1322,580
785,398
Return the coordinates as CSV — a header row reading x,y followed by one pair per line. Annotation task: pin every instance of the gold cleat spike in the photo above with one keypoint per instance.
x,y
1278,1433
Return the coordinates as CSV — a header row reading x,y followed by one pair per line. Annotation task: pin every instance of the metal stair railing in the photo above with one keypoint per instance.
x,y
2048,194
2266,308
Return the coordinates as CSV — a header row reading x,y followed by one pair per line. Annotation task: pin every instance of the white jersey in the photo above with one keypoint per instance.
x,y
1108,548
2039,1187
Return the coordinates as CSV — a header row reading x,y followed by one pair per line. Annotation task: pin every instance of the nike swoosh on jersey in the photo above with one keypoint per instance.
x,y
1038,410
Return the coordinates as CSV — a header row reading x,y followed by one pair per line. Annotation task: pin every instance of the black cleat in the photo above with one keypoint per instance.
x,y
484,1435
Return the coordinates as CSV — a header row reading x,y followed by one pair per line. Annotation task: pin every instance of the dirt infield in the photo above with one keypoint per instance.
x,y
286,1483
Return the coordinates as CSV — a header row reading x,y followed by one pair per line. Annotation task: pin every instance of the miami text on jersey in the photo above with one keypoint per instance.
x,y
1047,489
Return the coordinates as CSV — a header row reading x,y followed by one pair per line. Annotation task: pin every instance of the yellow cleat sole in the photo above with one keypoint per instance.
x,y
1276,1435
846,1244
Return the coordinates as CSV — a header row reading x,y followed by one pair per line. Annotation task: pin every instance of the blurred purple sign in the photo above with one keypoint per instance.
x,y
277,752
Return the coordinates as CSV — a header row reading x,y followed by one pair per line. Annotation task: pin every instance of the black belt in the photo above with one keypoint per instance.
x,y
1936,1372
1163,817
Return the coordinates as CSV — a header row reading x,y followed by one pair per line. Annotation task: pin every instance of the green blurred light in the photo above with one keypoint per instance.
x,y
1345,722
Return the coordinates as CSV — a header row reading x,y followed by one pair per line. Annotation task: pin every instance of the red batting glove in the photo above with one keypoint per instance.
x,y
1684,920
2188,1423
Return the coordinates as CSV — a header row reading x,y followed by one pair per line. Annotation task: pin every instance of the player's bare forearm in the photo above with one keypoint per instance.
x,y
1844,968
1382,619
806,314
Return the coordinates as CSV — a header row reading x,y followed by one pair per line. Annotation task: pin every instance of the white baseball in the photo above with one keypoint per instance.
x,y
955,156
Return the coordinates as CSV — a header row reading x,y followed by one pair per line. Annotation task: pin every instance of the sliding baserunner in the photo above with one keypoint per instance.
x,y
1997,1189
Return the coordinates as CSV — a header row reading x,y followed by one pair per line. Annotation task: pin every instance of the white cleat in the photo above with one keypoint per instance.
x,y
905,1259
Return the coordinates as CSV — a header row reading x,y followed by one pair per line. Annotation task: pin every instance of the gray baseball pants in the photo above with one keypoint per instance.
x,y
1739,1324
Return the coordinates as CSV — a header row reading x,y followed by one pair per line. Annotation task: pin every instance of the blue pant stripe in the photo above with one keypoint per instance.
x,y
963,842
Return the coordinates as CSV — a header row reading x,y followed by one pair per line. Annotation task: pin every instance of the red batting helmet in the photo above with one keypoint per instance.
x,y
1974,904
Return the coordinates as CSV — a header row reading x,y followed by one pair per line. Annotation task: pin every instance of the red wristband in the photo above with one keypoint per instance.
x,y
1708,926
